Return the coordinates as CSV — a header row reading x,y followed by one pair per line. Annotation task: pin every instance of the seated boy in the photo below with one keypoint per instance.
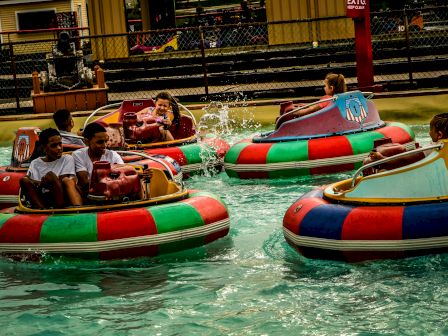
x,y
64,122
438,130
96,137
52,177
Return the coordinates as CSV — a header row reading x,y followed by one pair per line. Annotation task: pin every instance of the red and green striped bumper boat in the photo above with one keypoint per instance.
x,y
171,220
334,139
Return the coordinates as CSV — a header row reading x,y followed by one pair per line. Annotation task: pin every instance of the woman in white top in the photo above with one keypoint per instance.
x,y
95,137
51,177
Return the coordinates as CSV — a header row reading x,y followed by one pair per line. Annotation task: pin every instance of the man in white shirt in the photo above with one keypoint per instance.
x,y
51,177
95,137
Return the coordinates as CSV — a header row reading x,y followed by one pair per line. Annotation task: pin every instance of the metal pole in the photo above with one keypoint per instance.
x,y
14,72
408,47
204,63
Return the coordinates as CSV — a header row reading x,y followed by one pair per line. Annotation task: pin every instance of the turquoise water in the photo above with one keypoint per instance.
x,y
249,283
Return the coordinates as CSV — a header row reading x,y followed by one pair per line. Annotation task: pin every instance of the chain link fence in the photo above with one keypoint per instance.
x,y
255,59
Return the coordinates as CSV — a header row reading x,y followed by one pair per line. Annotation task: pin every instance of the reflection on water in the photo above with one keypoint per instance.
x,y
249,283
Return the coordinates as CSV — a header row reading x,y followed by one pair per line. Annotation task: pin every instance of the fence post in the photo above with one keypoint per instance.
x,y
36,83
408,47
14,72
204,63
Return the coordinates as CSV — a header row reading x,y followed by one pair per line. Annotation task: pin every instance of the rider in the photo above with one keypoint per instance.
x,y
438,130
96,137
64,122
166,113
49,179
333,84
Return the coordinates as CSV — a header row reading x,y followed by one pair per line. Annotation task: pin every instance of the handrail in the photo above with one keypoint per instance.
x,y
98,110
390,158
151,158
334,98
303,107
189,112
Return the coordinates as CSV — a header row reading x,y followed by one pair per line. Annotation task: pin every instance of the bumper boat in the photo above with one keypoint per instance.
x,y
26,148
391,214
334,139
191,152
118,224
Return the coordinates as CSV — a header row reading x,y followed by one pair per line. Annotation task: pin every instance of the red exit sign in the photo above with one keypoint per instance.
x,y
357,8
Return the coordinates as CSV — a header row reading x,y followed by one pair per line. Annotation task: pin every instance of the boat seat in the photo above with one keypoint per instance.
x,y
186,128
160,185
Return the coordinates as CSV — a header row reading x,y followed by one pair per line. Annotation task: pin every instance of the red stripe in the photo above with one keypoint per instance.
x,y
397,134
210,209
328,148
9,183
382,223
22,229
254,154
125,224
297,212
220,146
173,152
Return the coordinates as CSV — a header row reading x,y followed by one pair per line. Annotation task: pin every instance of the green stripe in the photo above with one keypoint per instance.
x,y
234,152
4,218
363,142
175,217
69,228
288,151
291,151
192,153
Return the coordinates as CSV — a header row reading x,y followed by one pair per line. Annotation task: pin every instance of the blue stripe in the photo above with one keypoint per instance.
x,y
325,221
425,221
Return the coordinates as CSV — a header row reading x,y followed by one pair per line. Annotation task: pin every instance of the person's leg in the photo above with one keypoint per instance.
x,y
72,191
55,195
31,190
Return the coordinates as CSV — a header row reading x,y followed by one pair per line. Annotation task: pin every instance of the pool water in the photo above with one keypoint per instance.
x,y
248,283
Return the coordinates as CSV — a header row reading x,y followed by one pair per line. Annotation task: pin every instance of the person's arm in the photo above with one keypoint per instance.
x,y
308,110
81,171
165,134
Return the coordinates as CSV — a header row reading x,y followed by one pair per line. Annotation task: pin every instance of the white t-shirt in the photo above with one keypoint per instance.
x,y
71,139
84,163
62,166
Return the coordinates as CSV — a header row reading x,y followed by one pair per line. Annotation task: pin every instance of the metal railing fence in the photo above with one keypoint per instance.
x,y
408,46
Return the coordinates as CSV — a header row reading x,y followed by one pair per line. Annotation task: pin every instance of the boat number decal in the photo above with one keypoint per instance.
x,y
297,208
137,104
354,111
6,178
22,148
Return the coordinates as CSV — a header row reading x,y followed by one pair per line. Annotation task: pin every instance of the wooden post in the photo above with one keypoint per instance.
x,y
99,76
36,83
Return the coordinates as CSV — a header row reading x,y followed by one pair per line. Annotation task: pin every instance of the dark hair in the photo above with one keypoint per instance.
x,y
337,81
46,134
92,129
440,123
62,119
174,106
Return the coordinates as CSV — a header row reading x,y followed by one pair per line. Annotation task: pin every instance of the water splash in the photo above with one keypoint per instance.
x,y
215,120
